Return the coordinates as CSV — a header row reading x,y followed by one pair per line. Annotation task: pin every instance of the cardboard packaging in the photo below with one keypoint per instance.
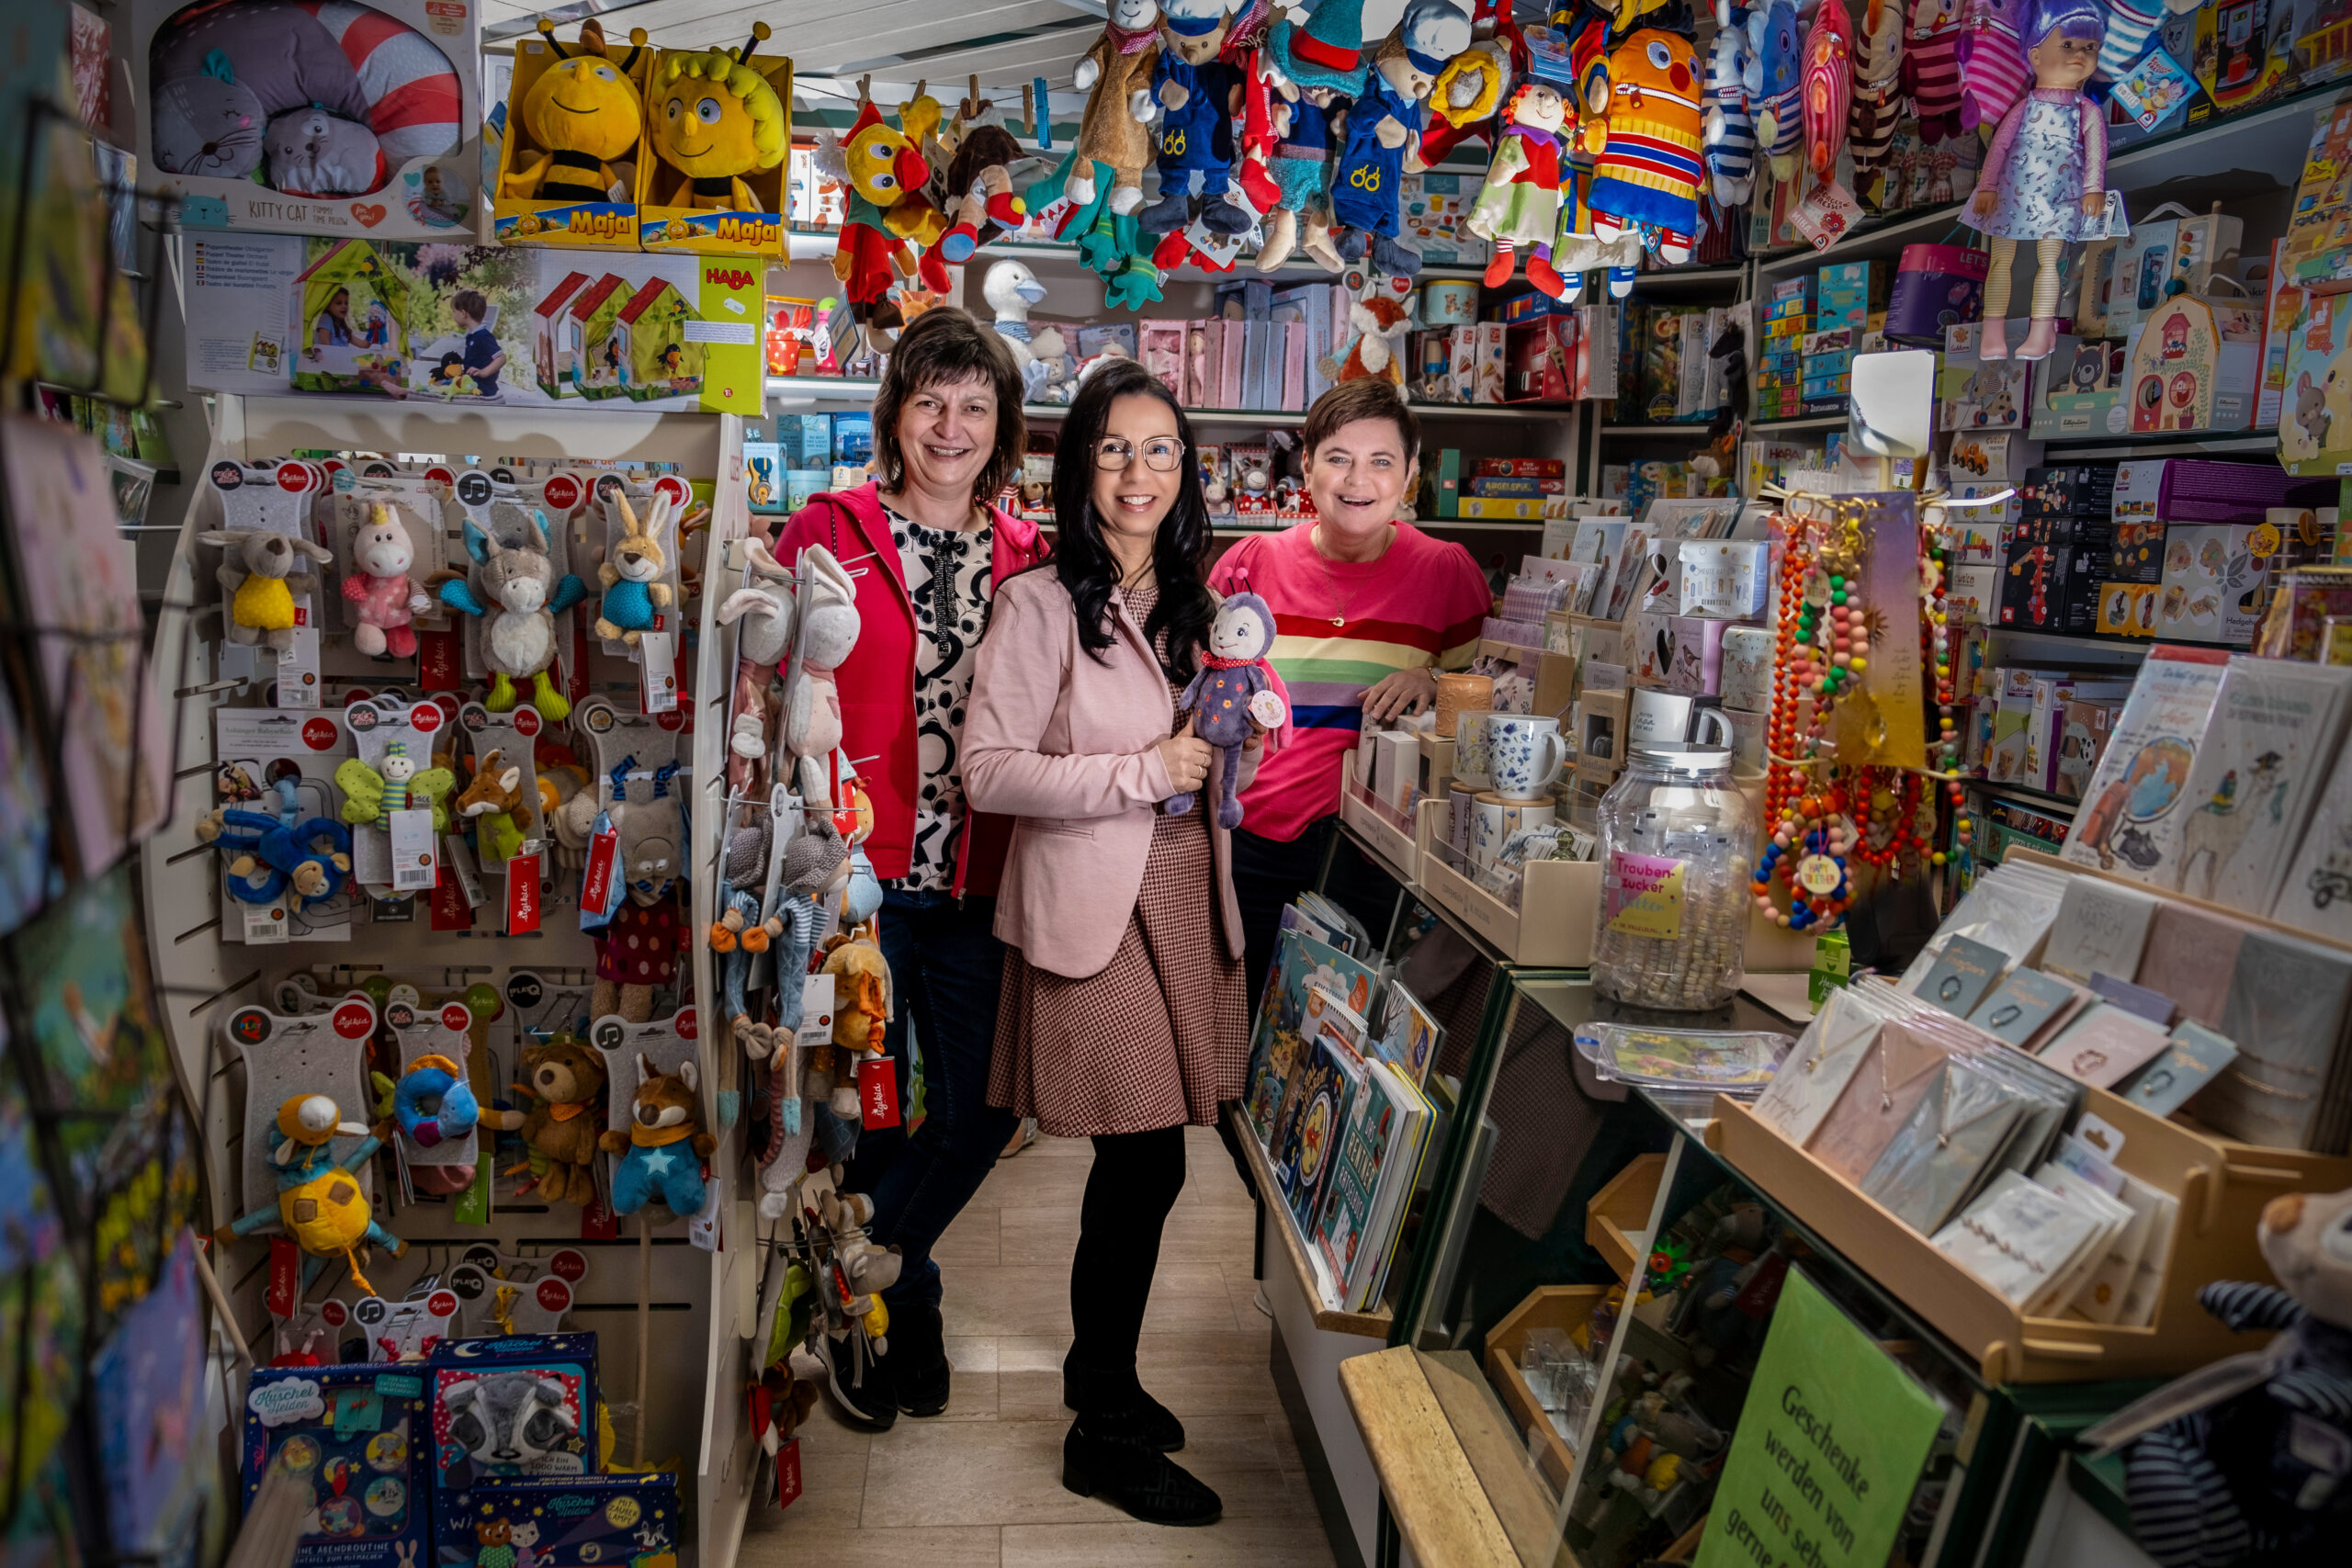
x,y
2212,584
673,217
364,1420
575,1521
2196,365
609,225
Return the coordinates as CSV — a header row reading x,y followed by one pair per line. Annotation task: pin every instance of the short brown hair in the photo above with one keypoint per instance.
x,y
470,301
938,348
1366,397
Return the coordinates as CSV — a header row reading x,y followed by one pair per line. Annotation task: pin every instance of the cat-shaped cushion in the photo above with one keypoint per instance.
x,y
312,153
208,126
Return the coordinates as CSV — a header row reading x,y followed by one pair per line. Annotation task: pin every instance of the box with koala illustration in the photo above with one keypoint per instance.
x,y
2315,411
332,117
356,1436
589,1521
718,125
575,161
522,1405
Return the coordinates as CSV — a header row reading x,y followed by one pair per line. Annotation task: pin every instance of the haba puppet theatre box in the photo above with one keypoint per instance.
x,y
718,131
587,1521
572,168
357,1437
323,117
268,315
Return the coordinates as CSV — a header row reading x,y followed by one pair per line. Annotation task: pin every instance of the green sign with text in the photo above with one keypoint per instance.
x,y
1830,1446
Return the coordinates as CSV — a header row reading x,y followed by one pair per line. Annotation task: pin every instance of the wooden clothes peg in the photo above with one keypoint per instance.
x,y
1029,111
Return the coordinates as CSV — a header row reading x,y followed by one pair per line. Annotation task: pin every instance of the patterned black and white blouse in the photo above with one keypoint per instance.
x,y
950,583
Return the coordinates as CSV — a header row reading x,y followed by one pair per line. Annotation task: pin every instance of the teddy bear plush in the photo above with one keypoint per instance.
x,y
665,1112
563,1078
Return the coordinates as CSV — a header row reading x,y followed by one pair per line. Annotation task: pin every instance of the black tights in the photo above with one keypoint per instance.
x,y
1135,1180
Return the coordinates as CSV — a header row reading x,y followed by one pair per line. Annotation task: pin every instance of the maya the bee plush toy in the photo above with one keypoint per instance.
x,y
583,113
716,118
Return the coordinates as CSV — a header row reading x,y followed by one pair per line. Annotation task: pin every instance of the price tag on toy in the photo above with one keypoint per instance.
x,y
596,882
416,851
265,923
658,658
522,900
877,1092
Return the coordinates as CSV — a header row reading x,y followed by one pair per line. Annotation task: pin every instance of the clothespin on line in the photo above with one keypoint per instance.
x,y
1029,111
864,91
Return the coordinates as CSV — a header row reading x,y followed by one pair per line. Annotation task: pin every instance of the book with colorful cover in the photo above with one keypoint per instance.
x,y
1379,1160
1314,1110
1277,1043
1409,1035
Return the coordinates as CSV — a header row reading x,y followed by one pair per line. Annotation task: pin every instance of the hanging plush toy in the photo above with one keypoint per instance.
x,y
1367,182
762,613
1931,68
638,950
1468,95
1313,66
1520,202
980,190
319,1204
520,598
1877,91
1641,123
2130,24
2045,173
1197,94
861,1010
584,114
634,592
562,1079
1727,131
1828,86
1116,132
1233,696
2245,1460
1774,64
262,582
369,796
812,707
665,1112
383,595
1993,74
498,807
716,119
880,168
431,1104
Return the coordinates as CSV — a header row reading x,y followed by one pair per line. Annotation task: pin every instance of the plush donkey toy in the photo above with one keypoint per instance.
x,y
1236,686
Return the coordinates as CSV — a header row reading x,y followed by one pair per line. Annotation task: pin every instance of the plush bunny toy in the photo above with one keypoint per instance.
x,y
1233,688
812,705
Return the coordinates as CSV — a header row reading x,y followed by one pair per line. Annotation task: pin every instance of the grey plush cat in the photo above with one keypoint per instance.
x,y
312,153
209,125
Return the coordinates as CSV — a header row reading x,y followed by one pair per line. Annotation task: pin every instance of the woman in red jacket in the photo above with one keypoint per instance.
x,y
931,548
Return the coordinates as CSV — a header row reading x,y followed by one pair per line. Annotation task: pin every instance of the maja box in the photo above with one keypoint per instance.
x,y
556,1521
357,1435
389,88
699,102
523,218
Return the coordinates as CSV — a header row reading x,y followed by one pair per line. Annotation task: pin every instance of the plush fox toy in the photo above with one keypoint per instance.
x,y
662,1150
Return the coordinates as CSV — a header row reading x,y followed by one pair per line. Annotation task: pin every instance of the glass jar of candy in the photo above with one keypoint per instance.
x,y
1676,840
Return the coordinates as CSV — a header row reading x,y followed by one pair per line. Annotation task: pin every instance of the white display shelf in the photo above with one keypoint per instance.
x,y
1810,422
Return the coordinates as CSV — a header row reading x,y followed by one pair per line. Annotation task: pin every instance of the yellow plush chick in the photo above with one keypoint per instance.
x,y
716,118
583,113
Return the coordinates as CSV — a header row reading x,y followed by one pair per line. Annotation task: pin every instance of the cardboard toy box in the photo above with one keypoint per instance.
x,y
533,1394
2316,408
2048,588
400,87
655,343
359,1434
526,220
2195,365
2078,390
1974,393
578,1522
676,215
2212,583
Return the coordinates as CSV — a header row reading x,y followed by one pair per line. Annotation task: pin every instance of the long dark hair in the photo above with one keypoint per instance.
x,y
1179,553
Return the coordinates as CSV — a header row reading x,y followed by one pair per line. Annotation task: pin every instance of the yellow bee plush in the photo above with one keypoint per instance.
x,y
583,113
716,118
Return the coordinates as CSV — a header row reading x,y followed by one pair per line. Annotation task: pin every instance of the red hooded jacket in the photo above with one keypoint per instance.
x,y
877,681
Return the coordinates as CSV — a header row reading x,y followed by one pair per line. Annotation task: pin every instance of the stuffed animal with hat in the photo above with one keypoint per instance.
x,y
262,582
1518,205
716,118
1641,123
585,115
1197,93
1385,118
1116,132
881,168
1469,95
1299,166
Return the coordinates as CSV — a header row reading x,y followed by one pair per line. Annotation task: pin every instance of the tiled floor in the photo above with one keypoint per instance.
x,y
980,1485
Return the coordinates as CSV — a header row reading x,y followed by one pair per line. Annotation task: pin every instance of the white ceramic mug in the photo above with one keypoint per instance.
x,y
1497,819
1524,754
1653,715
1470,757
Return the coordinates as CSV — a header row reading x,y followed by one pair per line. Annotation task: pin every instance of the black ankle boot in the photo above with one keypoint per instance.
x,y
919,1360
1146,1484
1116,1402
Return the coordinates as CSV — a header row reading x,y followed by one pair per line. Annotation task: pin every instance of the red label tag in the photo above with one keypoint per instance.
x,y
285,1276
878,1091
787,1474
450,910
598,1220
522,895
436,661
596,885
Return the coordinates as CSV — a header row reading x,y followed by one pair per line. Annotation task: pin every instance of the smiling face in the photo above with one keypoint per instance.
x,y
1358,477
585,105
946,434
1132,500
884,165
718,117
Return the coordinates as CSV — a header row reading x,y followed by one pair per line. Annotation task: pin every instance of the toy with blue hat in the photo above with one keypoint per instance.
x,y
1197,92
1385,123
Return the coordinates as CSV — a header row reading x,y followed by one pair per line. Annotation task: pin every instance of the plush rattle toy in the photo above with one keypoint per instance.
x,y
2045,175
1519,203
319,1204
719,119
431,1104
663,1113
521,597
369,796
762,614
562,1079
262,582
812,703
861,1010
1115,130
1233,696
500,810
634,592
384,596
2247,1460
584,112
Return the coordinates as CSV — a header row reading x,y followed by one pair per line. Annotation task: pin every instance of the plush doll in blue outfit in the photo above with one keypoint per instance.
x,y
1233,695
1197,93
1385,122
634,592
662,1150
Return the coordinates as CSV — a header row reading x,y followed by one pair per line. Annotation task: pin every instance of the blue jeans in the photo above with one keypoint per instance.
x,y
948,968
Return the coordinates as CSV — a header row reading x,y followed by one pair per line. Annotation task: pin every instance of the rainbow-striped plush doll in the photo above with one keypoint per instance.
x,y
1727,133
1641,126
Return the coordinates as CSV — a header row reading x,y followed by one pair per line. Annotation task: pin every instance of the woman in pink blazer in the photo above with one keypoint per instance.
x,y
1123,1018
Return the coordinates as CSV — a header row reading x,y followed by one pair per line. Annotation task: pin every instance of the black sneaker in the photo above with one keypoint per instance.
x,y
861,1385
1117,1405
919,1360
1146,1484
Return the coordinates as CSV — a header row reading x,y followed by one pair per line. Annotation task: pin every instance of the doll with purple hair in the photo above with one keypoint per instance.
x,y
2045,175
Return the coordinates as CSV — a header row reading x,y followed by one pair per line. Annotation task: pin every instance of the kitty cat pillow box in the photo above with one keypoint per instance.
x,y
315,117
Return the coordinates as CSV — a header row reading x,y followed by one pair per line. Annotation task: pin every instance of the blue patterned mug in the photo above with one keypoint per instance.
x,y
1524,754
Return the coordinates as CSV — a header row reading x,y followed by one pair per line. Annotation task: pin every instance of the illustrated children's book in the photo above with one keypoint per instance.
x,y
1280,1036
1323,1087
2133,816
555,1521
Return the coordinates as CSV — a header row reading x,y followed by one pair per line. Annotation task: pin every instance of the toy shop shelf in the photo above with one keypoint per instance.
x,y
2059,647
1650,432
2039,800
2263,439
1810,422
316,425
823,388
1619,1215
1667,277
1433,1488
1371,1324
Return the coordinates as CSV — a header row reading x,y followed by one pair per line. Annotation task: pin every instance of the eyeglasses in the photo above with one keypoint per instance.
x,y
1162,453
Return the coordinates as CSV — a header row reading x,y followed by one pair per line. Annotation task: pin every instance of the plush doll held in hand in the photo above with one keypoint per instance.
x,y
1233,697
2045,175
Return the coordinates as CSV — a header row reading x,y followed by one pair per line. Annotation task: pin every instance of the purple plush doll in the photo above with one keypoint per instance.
x,y
1235,683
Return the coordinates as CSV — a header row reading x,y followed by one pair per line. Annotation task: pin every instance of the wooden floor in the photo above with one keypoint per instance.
x,y
980,1484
